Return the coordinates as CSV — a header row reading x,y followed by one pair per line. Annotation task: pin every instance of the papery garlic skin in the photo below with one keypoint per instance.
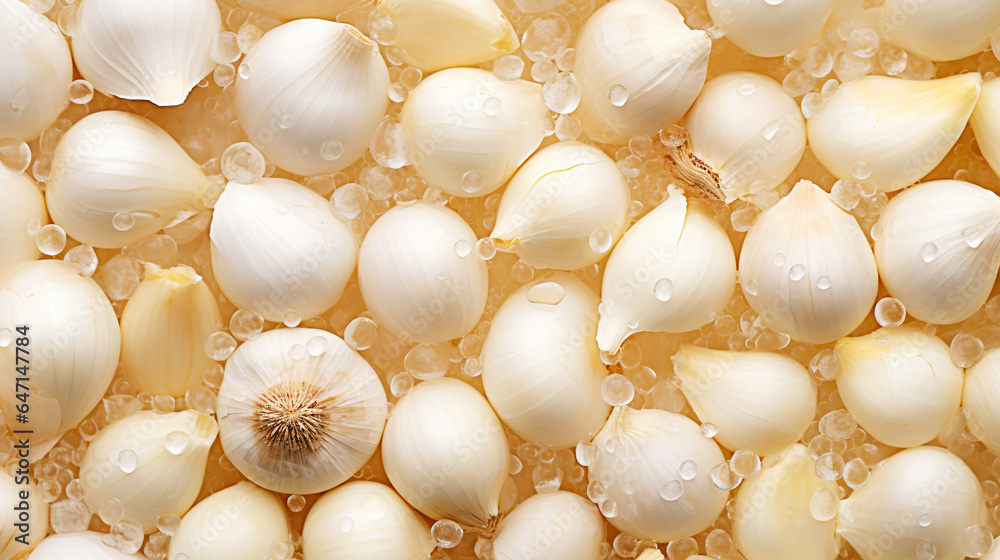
x,y
940,30
902,128
880,519
769,29
979,396
806,267
899,383
419,276
85,545
575,523
644,47
363,519
672,271
938,249
299,9
162,481
74,340
985,122
468,131
118,168
649,446
542,370
279,250
13,504
299,410
772,519
446,453
761,401
311,95
22,206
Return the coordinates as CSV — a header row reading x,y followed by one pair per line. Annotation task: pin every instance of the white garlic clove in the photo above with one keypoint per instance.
x,y
574,523
985,123
938,249
940,30
891,131
85,545
19,535
672,271
807,266
980,395
301,9
22,209
657,63
299,410
768,28
310,95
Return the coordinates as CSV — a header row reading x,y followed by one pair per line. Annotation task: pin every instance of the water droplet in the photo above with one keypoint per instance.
x,y
779,259
823,283
709,429
770,130
773,2
127,460
600,241
823,505
973,236
15,154
177,442
744,463
81,92
617,95
285,121
486,249
492,106
295,503
586,453
861,170
663,289
688,470
6,337
243,163
463,248
672,490
473,182
797,272
349,201
747,89
617,390
51,240
244,70
220,345
360,333
123,221
928,252
316,346
374,507
925,520
550,293
331,150
926,550
346,525
446,533
890,312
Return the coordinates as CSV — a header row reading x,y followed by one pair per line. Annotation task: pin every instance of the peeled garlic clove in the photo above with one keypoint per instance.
x,y
761,401
148,50
22,209
655,468
807,265
446,453
564,209
768,28
672,271
499,126
980,394
279,250
639,68
85,545
19,497
419,276
917,496
899,383
891,131
576,523
985,123
746,136
117,177
436,34
300,9
940,30
299,410
542,370
938,249
311,94
364,519
786,512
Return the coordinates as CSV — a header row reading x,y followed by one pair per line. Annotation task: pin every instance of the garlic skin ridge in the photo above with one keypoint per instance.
x,y
11,497
940,30
21,204
574,520
85,545
979,395
985,122
769,30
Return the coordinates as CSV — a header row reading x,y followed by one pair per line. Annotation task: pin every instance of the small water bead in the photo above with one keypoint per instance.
x,y
111,511
925,520
926,550
673,136
856,473
617,390
823,283
709,429
428,361
617,95
410,77
446,533
360,333
568,127
663,289
243,163
295,503
521,272
609,509
829,466
220,345
127,537
724,478
331,150
779,259
562,93
893,59
127,460
177,442
975,541
473,182
750,286
672,491
861,170
297,352
316,346
400,384
747,89
472,367
384,30
544,71
244,71
389,145
823,505
586,453
486,249
797,272
168,523
601,241
974,236
15,154
248,37
492,106
744,463
51,240
863,42
349,201
966,350
550,293
688,470
508,67
773,2
838,424
545,37
80,92
69,516
890,312
225,48
928,252
245,324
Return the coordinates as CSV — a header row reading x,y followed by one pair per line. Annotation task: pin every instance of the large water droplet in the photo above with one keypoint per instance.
x,y
550,293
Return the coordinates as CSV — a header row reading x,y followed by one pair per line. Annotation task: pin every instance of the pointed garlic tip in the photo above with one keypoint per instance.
x,y
299,410
573,525
889,130
899,383
655,470
938,249
476,151
980,394
760,401
84,544
928,485
419,276
639,69
768,28
985,123
673,271
301,9
16,496
940,30
286,105
22,209
363,519
565,208
279,250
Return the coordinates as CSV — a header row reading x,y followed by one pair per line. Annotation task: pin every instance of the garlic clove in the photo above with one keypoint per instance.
x,y
979,395
767,28
985,123
940,30
575,522
889,130
22,210
85,545
672,271
301,9
17,496
565,208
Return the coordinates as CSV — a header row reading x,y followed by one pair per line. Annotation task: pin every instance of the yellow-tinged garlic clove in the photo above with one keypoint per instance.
x,y
301,9
299,410
572,525
22,210
980,394
25,518
985,123
891,131
672,271
768,28
940,30
85,545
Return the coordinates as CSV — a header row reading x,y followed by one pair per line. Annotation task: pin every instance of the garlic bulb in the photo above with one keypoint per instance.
x,y
241,522
807,266
300,9
899,383
940,30
311,94
280,251
299,410
474,151
768,28
364,519
746,136
150,463
418,275
938,250
85,545
37,70
891,131
436,34
918,496
639,69
572,526
74,340
985,123
25,517
117,177
761,401
565,208
786,512
672,271
542,370
655,468
446,453
22,208
980,394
